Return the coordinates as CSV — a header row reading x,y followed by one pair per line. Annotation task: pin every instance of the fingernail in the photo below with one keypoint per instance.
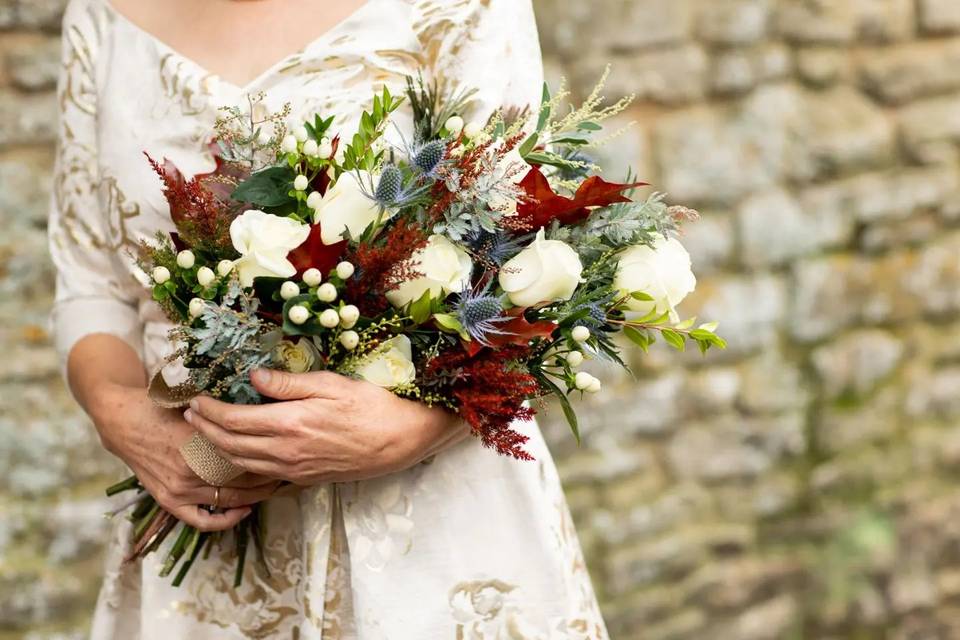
x,y
188,415
262,376
195,404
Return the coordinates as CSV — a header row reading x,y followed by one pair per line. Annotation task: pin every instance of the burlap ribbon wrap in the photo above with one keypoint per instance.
x,y
201,456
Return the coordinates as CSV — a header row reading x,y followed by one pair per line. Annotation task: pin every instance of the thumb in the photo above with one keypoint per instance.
x,y
281,385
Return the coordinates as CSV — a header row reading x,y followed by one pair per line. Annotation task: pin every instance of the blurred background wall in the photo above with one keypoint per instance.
x,y
801,484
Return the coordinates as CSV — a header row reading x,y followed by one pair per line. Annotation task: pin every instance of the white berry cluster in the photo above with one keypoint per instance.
x,y
344,316
205,276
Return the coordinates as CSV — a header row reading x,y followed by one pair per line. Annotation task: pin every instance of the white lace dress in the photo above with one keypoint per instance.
x,y
468,546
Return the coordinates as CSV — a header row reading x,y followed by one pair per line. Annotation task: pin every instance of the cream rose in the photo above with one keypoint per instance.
x,y
345,207
663,272
296,357
446,268
545,271
391,365
263,241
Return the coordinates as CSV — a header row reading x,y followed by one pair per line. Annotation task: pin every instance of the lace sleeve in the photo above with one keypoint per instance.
x,y
89,295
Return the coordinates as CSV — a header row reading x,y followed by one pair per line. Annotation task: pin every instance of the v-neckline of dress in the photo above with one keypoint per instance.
x,y
260,77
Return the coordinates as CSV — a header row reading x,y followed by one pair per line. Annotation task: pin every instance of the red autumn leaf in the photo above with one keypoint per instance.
x,y
544,205
518,331
313,254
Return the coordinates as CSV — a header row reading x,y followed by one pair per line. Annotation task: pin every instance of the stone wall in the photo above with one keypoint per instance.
x,y
798,485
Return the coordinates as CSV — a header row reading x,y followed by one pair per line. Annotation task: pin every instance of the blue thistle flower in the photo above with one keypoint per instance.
x,y
429,156
390,185
596,317
495,247
480,313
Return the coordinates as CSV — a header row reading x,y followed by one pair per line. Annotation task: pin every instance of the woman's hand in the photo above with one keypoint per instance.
x,y
148,439
328,428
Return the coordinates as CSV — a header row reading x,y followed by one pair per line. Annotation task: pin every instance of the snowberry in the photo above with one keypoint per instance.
x,y
224,267
300,133
329,318
289,290
310,148
206,276
314,199
580,334
186,259
595,386
349,316
349,340
454,125
327,292
575,358
160,275
196,307
473,130
326,148
288,144
301,182
345,270
298,314
584,381
312,277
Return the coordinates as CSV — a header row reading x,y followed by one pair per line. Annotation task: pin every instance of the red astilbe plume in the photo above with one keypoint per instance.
x,y
385,265
490,389
201,207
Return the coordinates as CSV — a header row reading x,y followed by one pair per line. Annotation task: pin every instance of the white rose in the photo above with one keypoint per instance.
x,y
391,365
296,358
344,207
663,272
545,271
263,241
446,268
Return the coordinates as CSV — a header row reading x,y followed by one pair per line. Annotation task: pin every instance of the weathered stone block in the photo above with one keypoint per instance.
x,y
823,66
857,362
901,74
27,119
733,22
845,428
735,448
674,75
939,16
930,129
35,66
772,383
739,70
773,228
752,309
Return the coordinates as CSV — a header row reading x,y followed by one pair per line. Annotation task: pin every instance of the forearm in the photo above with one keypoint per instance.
x,y
102,371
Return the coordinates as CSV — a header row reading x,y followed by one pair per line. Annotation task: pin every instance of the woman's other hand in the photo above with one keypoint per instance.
x,y
148,439
327,428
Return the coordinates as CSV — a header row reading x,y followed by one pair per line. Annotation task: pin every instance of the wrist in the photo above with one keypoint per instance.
x,y
110,404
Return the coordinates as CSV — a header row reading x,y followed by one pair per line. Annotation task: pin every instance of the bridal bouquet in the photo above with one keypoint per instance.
x,y
474,267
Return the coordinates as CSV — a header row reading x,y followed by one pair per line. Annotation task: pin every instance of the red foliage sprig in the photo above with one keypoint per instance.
x,y
490,389
201,207
384,265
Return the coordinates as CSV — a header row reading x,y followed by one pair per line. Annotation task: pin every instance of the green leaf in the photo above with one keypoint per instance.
x,y
674,339
544,108
267,188
686,324
709,326
639,338
568,411
420,308
589,126
528,145
450,323
641,296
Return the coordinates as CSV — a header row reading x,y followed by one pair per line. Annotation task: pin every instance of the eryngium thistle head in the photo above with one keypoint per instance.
x,y
480,313
596,317
494,247
390,185
430,155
